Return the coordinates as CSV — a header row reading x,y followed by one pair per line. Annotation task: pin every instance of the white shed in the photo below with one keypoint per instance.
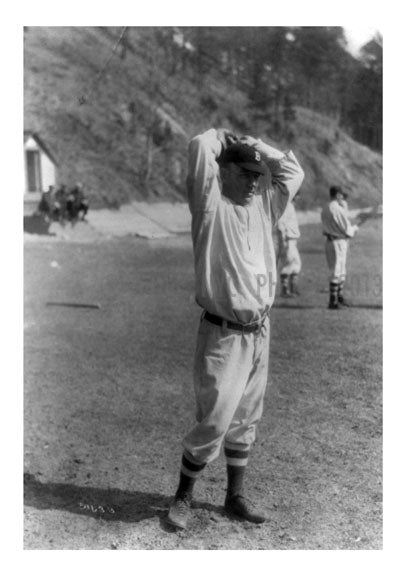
x,y
40,166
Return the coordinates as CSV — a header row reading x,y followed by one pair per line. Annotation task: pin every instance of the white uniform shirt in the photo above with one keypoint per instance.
x,y
235,266
288,224
335,221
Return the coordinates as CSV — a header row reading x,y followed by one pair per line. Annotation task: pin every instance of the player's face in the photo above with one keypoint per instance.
x,y
340,198
240,185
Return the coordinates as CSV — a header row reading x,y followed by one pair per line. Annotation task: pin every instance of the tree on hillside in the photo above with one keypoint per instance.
x,y
319,60
364,117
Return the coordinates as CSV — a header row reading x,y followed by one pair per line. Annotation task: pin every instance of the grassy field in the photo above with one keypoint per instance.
x,y
108,396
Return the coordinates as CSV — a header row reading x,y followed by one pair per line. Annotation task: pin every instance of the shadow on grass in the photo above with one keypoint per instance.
x,y
112,505
108,504
312,307
368,306
312,250
297,306
36,224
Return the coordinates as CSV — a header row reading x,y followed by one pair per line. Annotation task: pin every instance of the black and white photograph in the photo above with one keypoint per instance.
x,y
203,287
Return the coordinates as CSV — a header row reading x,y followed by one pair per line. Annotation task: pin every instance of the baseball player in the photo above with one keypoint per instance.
x,y
337,229
236,190
290,261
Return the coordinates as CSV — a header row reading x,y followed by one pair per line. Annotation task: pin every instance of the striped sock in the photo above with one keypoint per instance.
x,y
340,292
284,284
333,293
236,465
189,472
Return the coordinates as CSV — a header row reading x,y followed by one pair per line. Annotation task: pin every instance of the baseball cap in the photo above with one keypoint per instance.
x,y
334,190
245,156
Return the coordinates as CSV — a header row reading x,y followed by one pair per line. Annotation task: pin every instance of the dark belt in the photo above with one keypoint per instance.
x,y
330,238
248,328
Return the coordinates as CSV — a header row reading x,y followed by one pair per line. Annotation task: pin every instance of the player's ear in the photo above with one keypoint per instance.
x,y
224,170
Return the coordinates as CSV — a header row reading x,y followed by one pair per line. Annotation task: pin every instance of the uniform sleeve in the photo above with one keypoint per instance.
x,y
285,178
281,224
202,179
342,221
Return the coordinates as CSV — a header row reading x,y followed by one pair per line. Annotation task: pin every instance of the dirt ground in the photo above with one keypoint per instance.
x,y
108,396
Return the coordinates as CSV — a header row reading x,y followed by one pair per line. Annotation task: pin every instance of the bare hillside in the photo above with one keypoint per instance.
x,y
118,117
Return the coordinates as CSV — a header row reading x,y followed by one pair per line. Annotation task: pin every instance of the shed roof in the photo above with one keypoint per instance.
x,y
30,134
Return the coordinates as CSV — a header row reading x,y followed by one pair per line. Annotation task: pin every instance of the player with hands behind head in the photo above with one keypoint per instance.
x,y
237,189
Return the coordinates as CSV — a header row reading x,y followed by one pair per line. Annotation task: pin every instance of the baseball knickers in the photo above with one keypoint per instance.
x,y
230,378
336,254
290,258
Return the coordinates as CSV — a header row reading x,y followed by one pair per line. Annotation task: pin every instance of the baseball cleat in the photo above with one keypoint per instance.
x,y
179,513
238,506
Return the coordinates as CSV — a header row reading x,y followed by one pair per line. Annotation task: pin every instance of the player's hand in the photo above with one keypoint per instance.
x,y
250,140
226,137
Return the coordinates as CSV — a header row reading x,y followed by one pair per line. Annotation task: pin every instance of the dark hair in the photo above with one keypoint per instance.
x,y
334,190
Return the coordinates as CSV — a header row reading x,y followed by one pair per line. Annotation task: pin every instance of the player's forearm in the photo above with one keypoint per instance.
x,y
208,143
203,151
268,153
284,167
351,231
343,223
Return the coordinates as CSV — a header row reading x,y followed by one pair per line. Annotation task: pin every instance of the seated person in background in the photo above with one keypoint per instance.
x,y
59,208
77,205
45,204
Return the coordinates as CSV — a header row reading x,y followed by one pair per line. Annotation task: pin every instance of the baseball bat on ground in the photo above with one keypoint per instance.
x,y
74,304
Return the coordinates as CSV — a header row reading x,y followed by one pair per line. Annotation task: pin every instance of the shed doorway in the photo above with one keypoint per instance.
x,y
33,171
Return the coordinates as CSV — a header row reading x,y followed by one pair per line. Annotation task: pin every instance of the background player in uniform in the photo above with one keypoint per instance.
x,y
290,263
235,191
337,229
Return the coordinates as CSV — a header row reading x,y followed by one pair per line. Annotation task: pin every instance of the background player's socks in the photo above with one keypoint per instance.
x,y
340,294
333,302
285,285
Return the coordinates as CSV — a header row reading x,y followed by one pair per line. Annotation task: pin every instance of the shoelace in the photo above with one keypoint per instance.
x,y
182,506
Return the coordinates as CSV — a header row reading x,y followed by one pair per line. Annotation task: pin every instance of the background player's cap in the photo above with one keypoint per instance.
x,y
334,190
245,156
